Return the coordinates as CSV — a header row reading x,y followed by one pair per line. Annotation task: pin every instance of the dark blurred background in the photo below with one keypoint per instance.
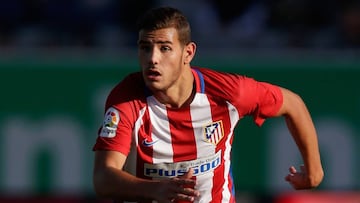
x,y
60,58
321,24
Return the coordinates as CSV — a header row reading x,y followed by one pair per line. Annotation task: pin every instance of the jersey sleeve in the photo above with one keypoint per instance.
x,y
116,131
269,102
254,98
261,100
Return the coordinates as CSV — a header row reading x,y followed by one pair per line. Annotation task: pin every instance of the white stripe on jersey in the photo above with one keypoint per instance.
x,y
130,165
197,114
138,123
163,150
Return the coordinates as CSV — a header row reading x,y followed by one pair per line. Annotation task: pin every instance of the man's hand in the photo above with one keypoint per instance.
x,y
178,188
300,180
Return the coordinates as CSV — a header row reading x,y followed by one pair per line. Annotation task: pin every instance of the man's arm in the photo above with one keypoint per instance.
x,y
301,127
111,181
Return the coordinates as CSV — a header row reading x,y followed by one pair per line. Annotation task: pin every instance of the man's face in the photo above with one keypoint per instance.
x,y
161,58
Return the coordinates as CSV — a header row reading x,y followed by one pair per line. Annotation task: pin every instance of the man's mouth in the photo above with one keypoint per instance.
x,y
152,74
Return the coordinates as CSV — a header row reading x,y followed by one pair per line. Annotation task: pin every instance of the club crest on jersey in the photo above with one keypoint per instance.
x,y
214,132
110,123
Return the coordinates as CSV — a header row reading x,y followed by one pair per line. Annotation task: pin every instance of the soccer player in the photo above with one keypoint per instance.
x,y
168,129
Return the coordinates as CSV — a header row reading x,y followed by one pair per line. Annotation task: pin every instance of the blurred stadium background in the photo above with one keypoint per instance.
x,y
59,59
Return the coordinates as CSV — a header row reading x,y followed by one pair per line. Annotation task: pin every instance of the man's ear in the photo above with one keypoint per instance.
x,y
190,50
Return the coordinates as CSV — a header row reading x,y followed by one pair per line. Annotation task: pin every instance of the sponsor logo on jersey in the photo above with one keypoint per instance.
x,y
168,170
214,132
111,121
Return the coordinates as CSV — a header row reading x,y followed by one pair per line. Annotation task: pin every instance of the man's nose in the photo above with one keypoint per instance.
x,y
154,56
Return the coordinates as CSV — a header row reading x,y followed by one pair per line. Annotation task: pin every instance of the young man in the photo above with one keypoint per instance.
x,y
168,129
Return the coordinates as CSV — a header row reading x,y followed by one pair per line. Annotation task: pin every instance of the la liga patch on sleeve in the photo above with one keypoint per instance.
x,y
111,121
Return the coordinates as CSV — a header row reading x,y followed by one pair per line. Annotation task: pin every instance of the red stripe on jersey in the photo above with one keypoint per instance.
x,y
182,135
217,115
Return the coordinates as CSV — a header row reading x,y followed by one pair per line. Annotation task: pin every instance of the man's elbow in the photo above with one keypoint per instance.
x,y
316,179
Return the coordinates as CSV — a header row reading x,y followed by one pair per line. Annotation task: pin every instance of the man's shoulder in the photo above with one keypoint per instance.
x,y
210,71
217,76
204,70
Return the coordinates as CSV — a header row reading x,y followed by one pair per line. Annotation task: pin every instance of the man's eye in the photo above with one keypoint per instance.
x,y
165,48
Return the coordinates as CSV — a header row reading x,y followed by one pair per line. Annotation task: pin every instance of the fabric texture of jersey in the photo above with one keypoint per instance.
x,y
164,142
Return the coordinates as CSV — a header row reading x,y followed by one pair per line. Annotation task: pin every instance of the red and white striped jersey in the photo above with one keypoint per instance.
x,y
163,142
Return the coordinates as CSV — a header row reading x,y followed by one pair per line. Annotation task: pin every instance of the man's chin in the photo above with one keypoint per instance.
x,y
154,86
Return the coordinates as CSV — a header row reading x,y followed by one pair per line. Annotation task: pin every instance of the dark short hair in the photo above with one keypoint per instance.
x,y
166,17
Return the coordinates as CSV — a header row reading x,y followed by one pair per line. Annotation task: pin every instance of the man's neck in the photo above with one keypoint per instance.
x,y
178,95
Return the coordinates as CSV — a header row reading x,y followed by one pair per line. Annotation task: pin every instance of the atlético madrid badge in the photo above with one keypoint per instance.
x,y
111,121
214,132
